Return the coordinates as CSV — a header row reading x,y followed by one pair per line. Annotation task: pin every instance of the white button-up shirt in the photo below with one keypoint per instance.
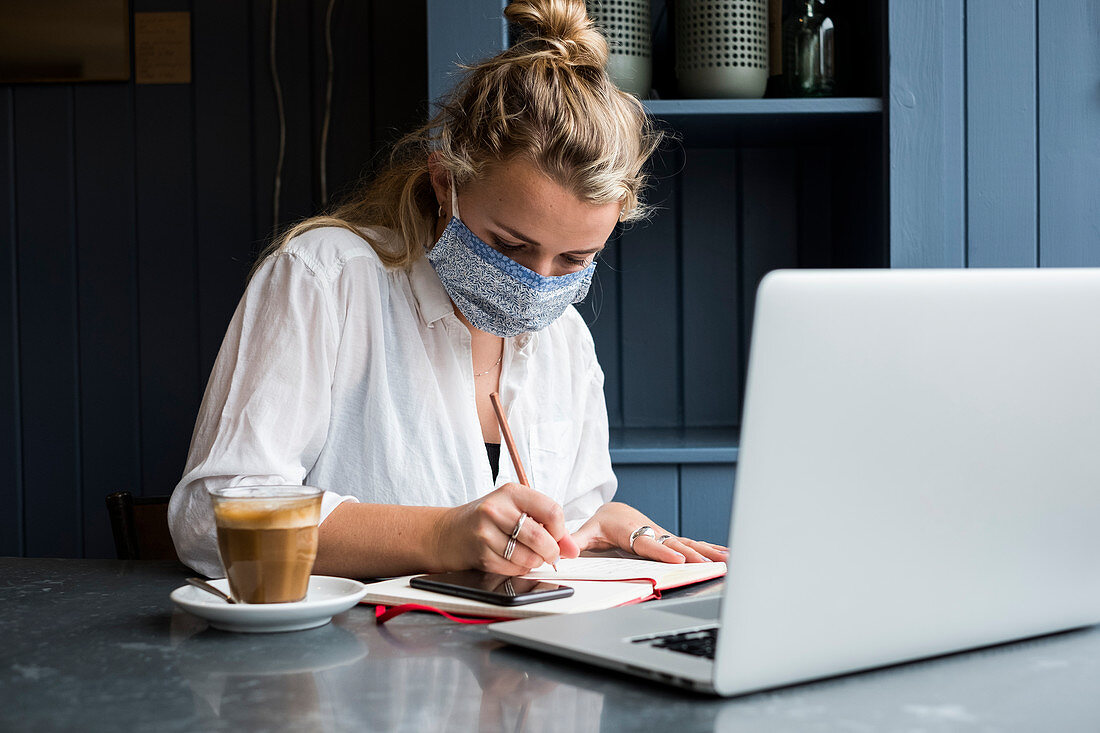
x,y
340,373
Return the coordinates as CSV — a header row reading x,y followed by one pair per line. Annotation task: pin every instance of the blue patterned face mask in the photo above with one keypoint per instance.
x,y
495,293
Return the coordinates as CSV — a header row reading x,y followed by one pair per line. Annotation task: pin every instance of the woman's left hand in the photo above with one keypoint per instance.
x,y
613,523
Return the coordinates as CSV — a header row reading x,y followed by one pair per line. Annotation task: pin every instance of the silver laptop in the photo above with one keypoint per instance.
x,y
919,474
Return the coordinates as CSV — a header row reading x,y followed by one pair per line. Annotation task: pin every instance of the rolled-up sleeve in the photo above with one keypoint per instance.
x,y
265,414
592,479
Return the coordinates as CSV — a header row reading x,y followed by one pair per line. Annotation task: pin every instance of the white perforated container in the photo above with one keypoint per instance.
x,y
722,48
625,23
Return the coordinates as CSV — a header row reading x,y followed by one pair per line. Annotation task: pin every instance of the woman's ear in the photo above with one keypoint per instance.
x,y
441,182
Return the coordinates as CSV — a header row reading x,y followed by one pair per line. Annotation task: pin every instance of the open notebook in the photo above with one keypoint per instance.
x,y
597,582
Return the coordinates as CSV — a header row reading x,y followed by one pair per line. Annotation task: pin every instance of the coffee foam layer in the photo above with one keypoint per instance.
x,y
267,514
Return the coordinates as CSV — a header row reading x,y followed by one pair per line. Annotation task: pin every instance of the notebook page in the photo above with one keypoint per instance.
x,y
666,575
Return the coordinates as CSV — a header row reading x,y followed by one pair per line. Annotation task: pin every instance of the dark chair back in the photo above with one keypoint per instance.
x,y
140,527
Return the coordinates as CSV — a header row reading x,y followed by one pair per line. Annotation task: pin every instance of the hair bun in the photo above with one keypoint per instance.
x,y
562,27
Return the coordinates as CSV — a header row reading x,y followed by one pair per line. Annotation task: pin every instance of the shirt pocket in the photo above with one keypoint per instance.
x,y
553,451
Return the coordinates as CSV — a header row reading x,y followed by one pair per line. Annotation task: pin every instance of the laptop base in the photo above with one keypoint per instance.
x,y
605,639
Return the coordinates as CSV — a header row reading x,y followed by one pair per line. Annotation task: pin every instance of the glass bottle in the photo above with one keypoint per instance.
x,y
808,50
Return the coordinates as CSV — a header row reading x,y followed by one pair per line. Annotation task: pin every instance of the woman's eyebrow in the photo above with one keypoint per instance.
x,y
523,238
517,235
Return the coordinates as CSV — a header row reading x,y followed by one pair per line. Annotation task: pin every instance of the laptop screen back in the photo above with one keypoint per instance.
x,y
919,469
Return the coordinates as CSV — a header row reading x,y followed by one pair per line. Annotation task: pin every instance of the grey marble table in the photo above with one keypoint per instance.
x,y
96,645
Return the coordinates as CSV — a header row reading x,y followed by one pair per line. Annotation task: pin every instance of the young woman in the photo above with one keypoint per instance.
x,y
363,353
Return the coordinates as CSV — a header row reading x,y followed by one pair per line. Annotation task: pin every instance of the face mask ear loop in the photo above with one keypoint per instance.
x,y
454,199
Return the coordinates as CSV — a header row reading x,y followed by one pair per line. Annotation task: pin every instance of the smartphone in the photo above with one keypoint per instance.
x,y
491,588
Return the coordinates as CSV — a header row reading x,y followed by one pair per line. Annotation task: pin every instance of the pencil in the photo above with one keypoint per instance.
x,y
511,443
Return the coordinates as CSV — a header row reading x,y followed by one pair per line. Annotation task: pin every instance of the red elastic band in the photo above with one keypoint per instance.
x,y
382,614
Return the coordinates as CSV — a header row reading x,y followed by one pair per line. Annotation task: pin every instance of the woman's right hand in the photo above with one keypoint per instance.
x,y
475,535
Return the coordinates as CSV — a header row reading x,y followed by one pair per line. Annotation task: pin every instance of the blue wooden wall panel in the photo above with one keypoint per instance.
x,y
769,221
294,56
927,142
292,61
654,490
369,41
48,355
650,290
706,500
223,164
352,116
817,197
1069,133
461,32
1000,133
167,295
107,287
856,187
601,311
136,224
405,105
711,288
11,478
265,126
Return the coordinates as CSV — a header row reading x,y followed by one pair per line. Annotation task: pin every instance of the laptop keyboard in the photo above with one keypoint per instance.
x,y
698,643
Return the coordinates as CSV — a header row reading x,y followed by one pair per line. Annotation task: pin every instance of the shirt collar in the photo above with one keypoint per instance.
x,y
432,301
525,343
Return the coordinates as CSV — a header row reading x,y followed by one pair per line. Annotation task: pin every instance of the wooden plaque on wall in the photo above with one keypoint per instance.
x,y
162,48
64,40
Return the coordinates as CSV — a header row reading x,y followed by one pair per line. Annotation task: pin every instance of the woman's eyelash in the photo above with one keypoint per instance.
x,y
517,247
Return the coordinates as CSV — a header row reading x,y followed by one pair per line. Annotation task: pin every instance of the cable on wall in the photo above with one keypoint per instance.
x,y
282,117
323,163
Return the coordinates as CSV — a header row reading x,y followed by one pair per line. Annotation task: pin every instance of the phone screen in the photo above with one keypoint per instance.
x,y
502,590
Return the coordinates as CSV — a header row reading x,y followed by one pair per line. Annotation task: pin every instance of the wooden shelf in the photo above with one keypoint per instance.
x,y
738,122
674,445
732,108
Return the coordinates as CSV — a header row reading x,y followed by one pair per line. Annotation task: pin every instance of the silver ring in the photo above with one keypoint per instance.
x,y
519,525
663,539
510,548
645,530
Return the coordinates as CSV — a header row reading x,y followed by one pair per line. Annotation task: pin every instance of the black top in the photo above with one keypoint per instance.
x,y
493,449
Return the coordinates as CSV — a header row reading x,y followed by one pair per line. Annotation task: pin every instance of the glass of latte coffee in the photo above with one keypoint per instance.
x,y
267,538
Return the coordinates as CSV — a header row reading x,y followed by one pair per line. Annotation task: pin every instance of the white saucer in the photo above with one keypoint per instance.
x,y
326,597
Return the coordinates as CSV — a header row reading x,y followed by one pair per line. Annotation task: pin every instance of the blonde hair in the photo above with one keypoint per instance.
x,y
547,99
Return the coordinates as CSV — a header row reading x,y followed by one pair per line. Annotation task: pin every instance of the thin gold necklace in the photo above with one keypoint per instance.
x,y
495,364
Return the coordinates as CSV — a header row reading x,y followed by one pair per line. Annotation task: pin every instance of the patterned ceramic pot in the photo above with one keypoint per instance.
x,y
626,25
722,48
